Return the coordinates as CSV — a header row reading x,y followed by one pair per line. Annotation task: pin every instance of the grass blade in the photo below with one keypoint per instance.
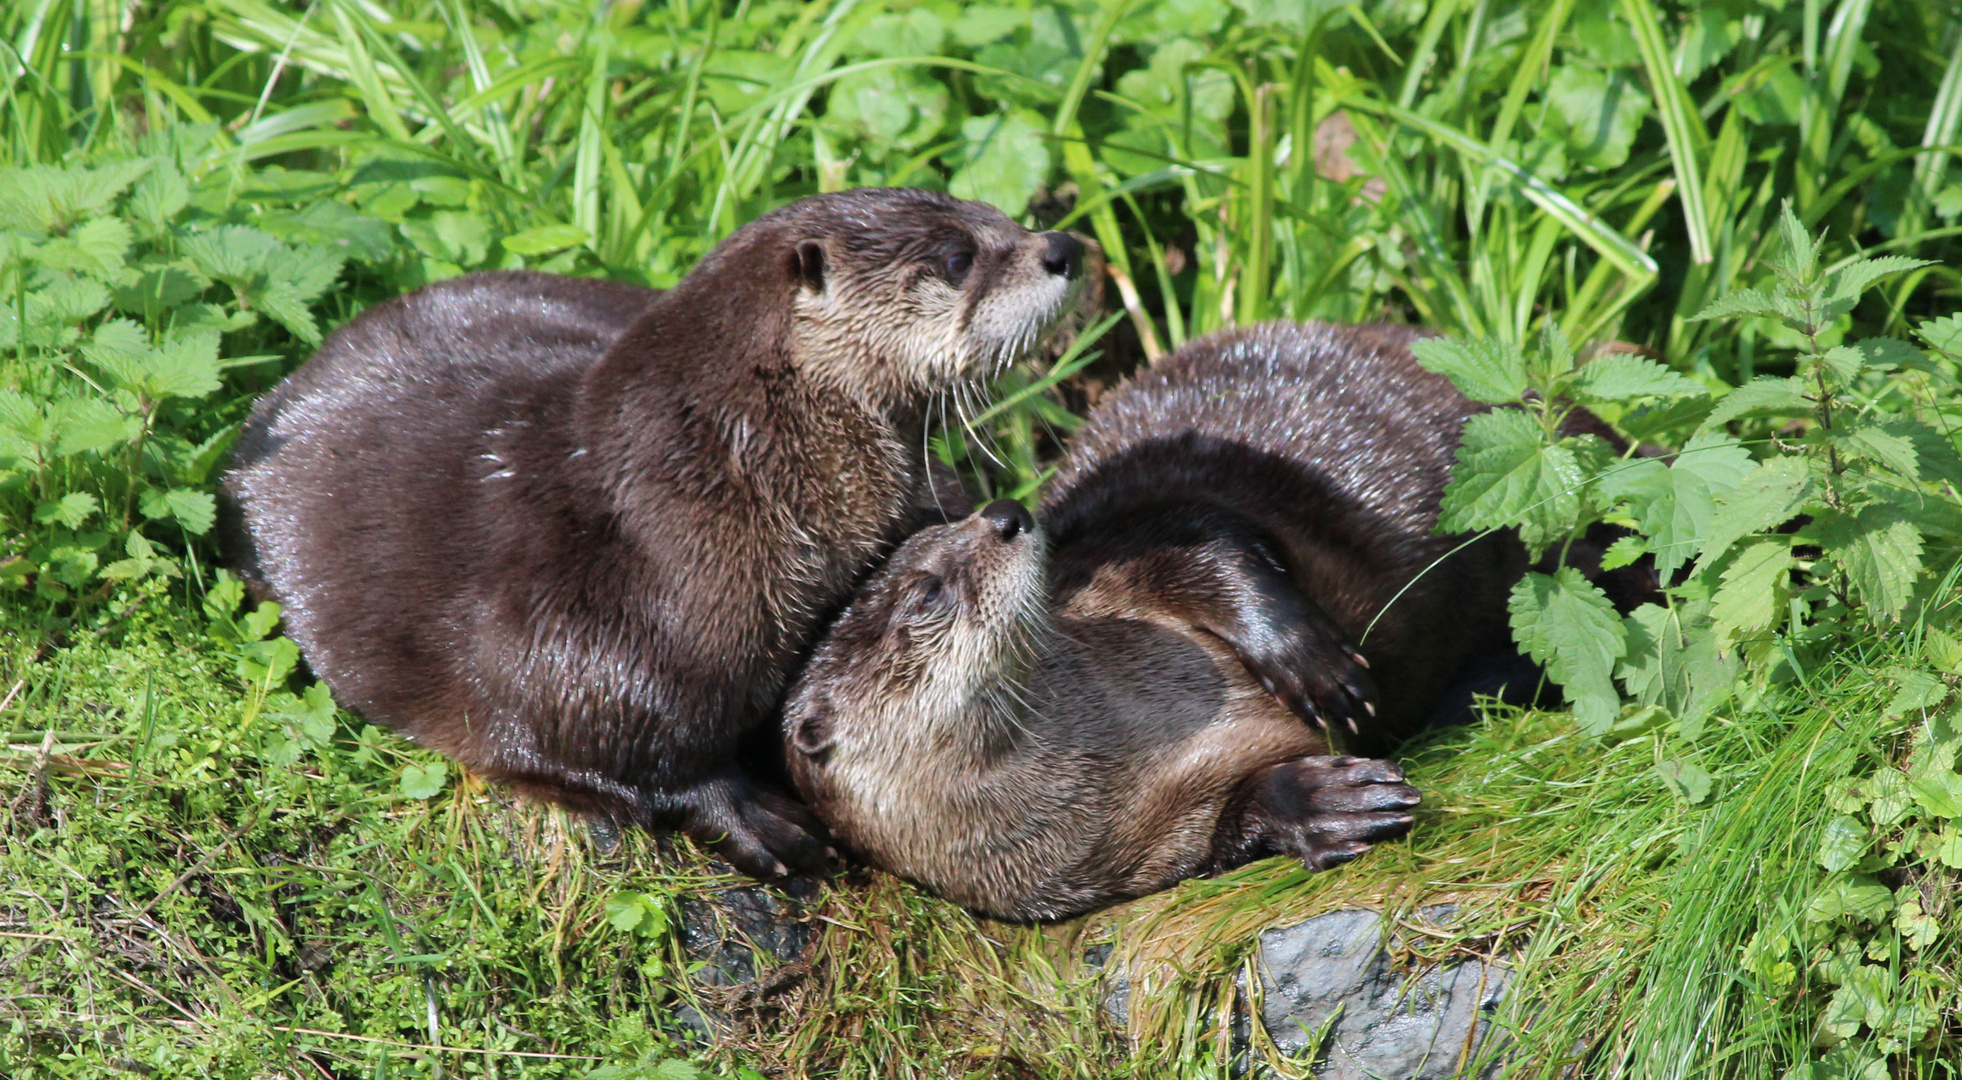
x,y
1682,125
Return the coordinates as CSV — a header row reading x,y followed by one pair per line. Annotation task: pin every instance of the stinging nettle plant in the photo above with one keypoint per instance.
x,y
1847,517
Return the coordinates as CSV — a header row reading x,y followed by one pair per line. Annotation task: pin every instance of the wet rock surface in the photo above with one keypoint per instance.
x,y
1331,991
751,942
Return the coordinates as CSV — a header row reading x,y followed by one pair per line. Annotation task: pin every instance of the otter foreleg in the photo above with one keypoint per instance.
x,y
1324,811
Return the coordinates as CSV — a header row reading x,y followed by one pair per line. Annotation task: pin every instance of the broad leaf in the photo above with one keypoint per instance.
x,y
1621,376
1943,335
1780,397
1568,624
1767,497
1753,588
1844,285
1675,505
1879,550
1505,476
1483,369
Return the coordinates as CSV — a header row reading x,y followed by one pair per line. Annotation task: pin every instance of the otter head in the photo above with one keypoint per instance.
x,y
898,293
920,664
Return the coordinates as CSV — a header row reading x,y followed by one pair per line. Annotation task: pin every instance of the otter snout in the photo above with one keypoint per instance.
x,y
1009,518
1064,255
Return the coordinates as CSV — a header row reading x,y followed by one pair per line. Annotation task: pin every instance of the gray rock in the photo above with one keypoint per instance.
x,y
1329,989
751,941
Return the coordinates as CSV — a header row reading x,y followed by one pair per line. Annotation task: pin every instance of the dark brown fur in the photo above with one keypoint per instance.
x,y
576,534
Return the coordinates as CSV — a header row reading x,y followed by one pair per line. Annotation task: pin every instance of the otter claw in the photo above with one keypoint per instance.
x,y
1358,658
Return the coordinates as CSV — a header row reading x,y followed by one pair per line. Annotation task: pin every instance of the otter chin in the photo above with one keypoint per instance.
x,y
577,534
1033,761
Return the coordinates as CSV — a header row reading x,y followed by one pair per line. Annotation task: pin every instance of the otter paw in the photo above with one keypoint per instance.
x,y
1314,671
759,832
1326,811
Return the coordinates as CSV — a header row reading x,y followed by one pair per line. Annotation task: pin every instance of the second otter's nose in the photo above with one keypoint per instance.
x,y
1010,518
1064,256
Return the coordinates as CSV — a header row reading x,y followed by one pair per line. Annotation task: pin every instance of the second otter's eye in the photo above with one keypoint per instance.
x,y
932,590
957,265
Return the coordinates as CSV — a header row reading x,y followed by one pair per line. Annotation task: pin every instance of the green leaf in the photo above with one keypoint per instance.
x,y
1568,624
1866,998
71,509
1844,285
422,781
1622,376
1845,896
1868,438
1005,159
1842,843
1879,550
543,239
1674,506
158,198
1919,691
1914,924
1780,397
195,510
1767,497
1505,476
1752,593
625,910
1740,303
267,663
1944,335
1685,780
1598,113
91,424
95,249
1483,369
184,365
1674,660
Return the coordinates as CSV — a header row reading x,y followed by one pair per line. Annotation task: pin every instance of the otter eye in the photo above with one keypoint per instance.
x,y
957,265
932,589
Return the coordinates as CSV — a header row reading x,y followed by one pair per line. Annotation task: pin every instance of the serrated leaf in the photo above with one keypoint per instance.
x,y
1780,397
1737,304
1919,691
421,781
1914,925
1568,624
1844,285
1767,497
89,424
1879,550
1505,476
184,365
1865,999
1675,662
1483,369
94,249
1886,796
1752,592
1938,791
1800,258
1869,439
287,306
1621,376
71,509
543,239
1625,551
233,254
1675,505
119,349
1842,843
1944,650
158,198
196,511
1944,335
1935,455
1685,780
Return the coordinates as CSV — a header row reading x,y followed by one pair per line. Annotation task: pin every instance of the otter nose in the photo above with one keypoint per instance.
x,y
1064,255
1010,518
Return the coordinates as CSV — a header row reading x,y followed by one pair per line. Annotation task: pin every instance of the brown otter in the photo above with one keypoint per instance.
x,y
576,534
1034,761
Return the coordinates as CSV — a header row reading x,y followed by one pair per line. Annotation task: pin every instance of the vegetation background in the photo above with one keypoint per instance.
x,y
1742,863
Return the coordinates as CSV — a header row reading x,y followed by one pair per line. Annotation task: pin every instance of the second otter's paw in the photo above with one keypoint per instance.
x,y
761,833
1326,811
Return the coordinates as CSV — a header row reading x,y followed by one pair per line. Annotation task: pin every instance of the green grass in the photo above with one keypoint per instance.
x,y
204,876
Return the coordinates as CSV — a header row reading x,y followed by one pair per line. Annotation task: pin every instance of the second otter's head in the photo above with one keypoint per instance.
x,y
929,650
896,293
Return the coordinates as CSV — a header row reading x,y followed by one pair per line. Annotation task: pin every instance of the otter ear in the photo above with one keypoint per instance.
x,y
811,733
810,264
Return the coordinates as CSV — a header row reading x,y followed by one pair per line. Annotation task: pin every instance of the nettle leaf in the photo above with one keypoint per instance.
x,y
1483,369
1944,335
1842,843
95,249
334,227
1675,663
1006,160
1844,285
233,254
91,424
1740,303
195,510
1780,397
1934,453
1799,261
71,509
1674,505
1505,476
1621,376
1919,692
1879,549
49,198
1767,497
1569,625
158,198
184,365
1869,438
1753,588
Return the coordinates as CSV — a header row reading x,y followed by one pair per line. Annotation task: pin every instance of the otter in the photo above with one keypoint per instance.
x,y
576,534
1035,760
1226,535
